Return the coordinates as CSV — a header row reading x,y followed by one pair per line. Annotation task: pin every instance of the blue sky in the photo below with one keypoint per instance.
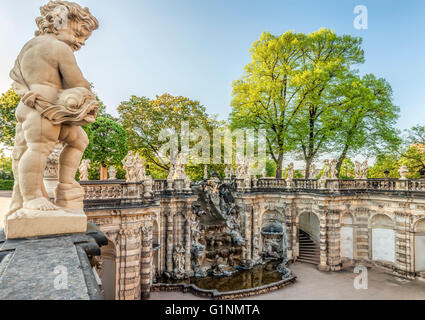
x,y
196,48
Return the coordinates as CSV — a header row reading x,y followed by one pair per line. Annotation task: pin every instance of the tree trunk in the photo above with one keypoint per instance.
x,y
279,164
103,172
308,162
341,160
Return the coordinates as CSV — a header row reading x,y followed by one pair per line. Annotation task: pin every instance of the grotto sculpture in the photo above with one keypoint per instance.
x,y
57,98
216,237
179,260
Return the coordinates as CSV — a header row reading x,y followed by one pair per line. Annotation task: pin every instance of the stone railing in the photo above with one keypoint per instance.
x,y
109,191
342,185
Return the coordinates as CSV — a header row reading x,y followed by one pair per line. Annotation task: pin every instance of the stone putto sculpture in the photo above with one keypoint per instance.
x,y
313,171
177,172
56,100
358,170
365,169
134,167
84,170
403,172
334,172
112,172
325,175
290,177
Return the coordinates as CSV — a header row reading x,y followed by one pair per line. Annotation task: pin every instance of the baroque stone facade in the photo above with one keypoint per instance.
x,y
374,222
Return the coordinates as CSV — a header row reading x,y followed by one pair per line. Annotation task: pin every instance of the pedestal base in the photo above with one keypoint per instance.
x,y
29,223
323,268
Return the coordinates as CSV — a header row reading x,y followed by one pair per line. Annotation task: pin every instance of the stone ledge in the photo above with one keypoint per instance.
x,y
49,268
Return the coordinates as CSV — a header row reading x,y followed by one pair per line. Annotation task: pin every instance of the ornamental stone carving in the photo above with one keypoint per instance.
x,y
56,100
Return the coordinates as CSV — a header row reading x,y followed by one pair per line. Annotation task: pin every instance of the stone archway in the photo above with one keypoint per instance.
x,y
109,271
420,246
383,238
308,238
347,236
310,224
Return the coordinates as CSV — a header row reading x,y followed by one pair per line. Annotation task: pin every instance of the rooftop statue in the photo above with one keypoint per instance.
x,y
56,100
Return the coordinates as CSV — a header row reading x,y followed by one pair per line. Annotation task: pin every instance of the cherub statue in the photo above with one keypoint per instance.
x,y
129,165
365,169
334,172
358,169
290,177
326,169
140,168
313,171
55,101
84,170
403,172
112,172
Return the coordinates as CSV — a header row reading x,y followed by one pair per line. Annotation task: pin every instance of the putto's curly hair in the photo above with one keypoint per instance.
x,y
52,15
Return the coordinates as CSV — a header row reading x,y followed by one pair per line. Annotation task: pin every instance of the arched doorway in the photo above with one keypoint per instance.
x,y
383,238
309,238
108,273
347,236
420,246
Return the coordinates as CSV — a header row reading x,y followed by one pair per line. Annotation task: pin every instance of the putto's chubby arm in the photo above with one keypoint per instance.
x,y
72,76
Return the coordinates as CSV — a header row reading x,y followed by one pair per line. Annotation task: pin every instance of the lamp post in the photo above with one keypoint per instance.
x,y
422,173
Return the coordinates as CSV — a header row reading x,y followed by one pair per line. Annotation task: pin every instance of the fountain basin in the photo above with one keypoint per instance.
x,y
243,283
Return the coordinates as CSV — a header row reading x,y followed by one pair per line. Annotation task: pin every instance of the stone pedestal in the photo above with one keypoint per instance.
x,y
50,268
29,223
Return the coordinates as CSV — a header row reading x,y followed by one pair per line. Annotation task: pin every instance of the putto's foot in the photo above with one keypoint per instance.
x,y
40,204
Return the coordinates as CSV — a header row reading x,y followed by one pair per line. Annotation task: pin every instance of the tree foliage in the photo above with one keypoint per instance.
x,y
144,119
303,90
8,104
108,142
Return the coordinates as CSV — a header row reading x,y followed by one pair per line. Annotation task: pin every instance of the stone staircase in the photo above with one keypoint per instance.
x,y
309,250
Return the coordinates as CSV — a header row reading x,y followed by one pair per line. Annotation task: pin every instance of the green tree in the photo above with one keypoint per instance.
x,y
8,103
144,120
327,64
413,156
367,123
383,163
285,86
347,169
108,143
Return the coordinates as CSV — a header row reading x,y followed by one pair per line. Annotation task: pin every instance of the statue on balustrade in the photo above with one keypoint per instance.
x,y
325,175
84,170
140,169
358,170
403,172
365,169
313,169
56,100
112,172
129,165
334,171
290,177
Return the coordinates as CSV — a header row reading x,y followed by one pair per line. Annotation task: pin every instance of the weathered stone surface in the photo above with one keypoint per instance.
x,y
52,268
